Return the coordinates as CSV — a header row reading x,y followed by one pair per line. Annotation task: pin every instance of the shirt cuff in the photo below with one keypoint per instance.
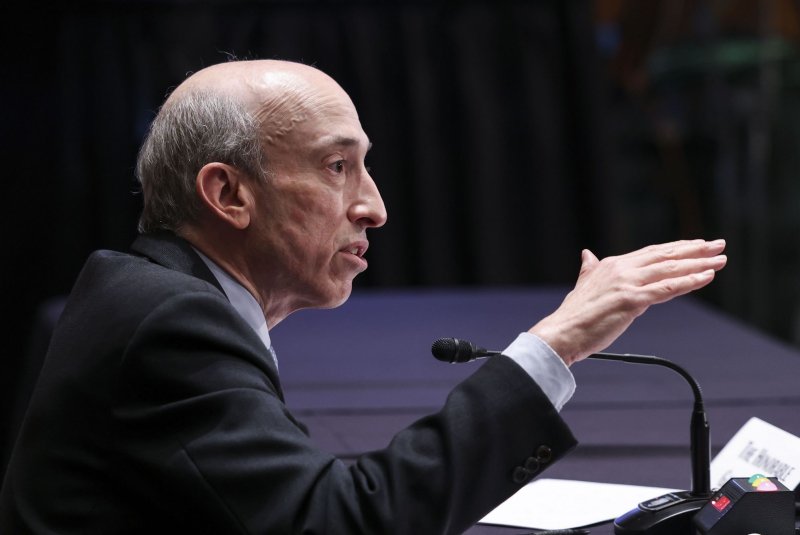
x,y
544,366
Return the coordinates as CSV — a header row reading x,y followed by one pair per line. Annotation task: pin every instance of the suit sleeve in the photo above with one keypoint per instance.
x,y
200,413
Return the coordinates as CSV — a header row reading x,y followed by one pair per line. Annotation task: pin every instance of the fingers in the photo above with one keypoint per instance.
x,y
676,250
672,269
676,268
666,289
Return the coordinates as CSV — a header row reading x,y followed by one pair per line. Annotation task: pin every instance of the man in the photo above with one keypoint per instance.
x,y
159,407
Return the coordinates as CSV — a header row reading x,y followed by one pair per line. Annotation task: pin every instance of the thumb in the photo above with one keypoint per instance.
x,y
588,261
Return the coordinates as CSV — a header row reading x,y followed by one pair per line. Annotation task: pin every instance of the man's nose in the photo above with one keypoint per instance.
x,y
368,210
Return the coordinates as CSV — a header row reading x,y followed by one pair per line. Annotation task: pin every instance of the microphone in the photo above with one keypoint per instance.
x,y
456,351
670,514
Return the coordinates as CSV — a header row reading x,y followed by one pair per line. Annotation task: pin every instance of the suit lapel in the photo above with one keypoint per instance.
x,y
173,252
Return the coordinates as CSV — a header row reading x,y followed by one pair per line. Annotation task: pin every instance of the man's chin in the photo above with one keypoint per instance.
x,y
337,297
343,297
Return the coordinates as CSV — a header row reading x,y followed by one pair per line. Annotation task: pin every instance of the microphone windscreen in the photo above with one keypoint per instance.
x,y
444,349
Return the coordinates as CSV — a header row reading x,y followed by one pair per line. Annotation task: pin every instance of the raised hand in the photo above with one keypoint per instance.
x,y
612,292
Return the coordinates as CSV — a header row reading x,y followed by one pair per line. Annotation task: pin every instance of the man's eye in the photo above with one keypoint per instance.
x,y
337,167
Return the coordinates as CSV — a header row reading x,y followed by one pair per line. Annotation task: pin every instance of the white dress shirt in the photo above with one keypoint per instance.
x,y
244,303
544,366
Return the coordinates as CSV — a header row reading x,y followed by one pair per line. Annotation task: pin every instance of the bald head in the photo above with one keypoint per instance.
x,y
252,77
279,94
229,113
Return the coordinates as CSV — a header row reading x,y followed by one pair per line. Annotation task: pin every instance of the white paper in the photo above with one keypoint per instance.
x,y
563,504
758,448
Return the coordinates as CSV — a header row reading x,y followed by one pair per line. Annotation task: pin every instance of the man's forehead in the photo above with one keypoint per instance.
x,y
338,140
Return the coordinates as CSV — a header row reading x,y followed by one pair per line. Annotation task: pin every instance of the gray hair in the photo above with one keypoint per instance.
x,y
189,132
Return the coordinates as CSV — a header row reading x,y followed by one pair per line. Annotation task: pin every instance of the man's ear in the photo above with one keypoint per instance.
x,y
226,192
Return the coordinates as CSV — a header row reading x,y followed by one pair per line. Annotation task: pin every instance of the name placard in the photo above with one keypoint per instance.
x,y
758,448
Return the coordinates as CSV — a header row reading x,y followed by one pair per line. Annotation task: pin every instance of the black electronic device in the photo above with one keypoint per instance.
x,y
757,504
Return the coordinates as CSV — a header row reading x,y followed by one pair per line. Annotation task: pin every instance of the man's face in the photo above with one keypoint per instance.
x,y
313,211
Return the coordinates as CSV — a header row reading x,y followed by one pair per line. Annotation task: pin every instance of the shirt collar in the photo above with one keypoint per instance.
x,y
242,300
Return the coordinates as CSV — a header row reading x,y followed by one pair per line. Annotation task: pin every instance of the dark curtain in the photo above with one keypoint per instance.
x,y
484,118
480,114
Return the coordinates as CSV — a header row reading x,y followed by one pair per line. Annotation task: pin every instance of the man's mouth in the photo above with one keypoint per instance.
x,y
358,249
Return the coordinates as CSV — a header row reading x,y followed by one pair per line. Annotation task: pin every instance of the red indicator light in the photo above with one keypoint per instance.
x,y
721,503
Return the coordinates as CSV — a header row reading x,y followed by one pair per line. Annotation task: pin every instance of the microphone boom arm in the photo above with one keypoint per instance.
x,y
699,434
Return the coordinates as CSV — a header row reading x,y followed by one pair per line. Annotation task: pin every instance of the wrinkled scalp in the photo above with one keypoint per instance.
x,y
279,94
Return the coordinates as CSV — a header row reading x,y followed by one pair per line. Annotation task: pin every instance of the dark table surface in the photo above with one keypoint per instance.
x,y
358,374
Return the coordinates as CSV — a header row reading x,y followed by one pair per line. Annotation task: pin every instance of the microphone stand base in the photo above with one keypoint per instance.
x,y
670,514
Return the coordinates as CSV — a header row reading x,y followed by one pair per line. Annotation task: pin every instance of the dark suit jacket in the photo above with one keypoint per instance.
x,y
159,410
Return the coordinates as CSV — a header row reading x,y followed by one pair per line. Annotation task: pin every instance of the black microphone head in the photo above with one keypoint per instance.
x,y
444,349
453,350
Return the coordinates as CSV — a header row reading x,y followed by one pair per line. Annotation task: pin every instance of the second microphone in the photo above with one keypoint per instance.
x,y
456,351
